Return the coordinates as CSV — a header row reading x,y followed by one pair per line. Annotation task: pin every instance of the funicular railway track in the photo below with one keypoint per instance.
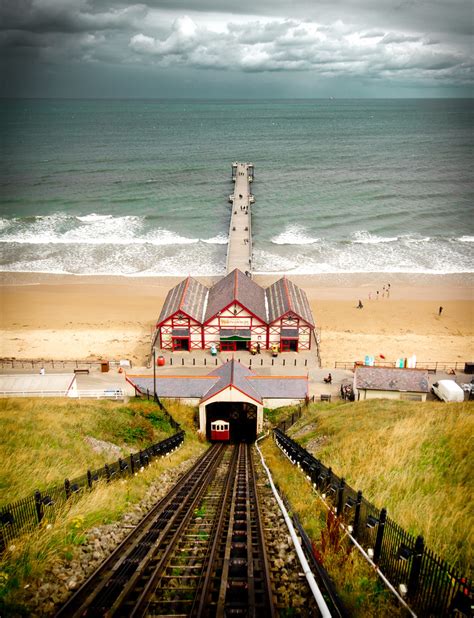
x,y
199,552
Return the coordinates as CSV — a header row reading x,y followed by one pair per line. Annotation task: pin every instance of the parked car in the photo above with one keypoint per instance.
x,y
448,390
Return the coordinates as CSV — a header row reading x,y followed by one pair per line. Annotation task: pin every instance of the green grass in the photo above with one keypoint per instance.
x,y
414,459
359,588
43,440
61,426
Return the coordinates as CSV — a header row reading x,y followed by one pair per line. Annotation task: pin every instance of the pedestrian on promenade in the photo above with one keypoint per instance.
x,y
258,347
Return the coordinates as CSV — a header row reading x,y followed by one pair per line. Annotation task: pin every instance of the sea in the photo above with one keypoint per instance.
x,y
141,187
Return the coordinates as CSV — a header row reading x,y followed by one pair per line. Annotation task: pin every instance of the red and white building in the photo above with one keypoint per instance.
x,y
235,314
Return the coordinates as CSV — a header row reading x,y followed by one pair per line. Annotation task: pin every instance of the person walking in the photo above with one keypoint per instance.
x,y
440,311
360,305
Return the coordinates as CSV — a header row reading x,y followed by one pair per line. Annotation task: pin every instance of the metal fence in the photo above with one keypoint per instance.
x,y
26,514
432,587
67,365
432,367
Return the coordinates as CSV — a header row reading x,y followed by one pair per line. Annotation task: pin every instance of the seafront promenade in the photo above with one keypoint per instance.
x,y
239,249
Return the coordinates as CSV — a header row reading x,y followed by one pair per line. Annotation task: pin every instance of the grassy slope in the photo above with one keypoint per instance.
x,y
412,458
43,439
29,556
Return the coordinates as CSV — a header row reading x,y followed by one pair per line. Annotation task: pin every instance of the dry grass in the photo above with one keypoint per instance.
x,y
29,556
43,440
412,458
361,591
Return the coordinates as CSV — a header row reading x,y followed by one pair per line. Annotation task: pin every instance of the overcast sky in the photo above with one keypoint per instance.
x,y
244,49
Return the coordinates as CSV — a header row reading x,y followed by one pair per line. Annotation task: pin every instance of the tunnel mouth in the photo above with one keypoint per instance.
x,y
241,416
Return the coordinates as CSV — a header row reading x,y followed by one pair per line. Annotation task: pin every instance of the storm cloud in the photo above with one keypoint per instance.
x,y
179,47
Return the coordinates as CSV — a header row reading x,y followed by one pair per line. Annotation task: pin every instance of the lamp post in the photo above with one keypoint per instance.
x,y
155,395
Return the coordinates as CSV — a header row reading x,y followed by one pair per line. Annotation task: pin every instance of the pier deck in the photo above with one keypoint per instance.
x,y
239,249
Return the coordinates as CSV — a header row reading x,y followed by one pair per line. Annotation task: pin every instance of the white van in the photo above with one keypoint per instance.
x,y
448,390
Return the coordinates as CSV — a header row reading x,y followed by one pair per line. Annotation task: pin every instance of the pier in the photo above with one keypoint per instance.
x,y
239,249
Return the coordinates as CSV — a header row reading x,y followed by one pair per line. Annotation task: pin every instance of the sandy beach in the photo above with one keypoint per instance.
x,y
70,317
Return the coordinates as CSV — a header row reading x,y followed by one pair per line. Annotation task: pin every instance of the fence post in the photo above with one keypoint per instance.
x,y
132,464
67,488
340,497
148,394
89,479
414,578
355,523
380,530
38,506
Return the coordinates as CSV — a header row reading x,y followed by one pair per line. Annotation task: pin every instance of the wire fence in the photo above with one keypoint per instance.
x,y
28,513
432,587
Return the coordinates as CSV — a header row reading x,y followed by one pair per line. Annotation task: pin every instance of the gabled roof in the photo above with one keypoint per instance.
x,y
236,287
188,296
391,379
233,374
229,375
284,296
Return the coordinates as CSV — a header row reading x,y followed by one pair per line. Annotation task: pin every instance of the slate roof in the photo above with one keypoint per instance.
x,y
280,387
284,296
391,379
173,386
233,374
236,287
228,375
188,296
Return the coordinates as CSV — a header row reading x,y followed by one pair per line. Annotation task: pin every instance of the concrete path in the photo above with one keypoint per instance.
x,y
239,249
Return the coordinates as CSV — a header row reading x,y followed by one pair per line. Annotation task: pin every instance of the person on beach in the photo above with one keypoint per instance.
x,y
360,305
377,294
440,311
42,371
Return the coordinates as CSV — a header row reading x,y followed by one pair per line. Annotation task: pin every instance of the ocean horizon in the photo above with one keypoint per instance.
x,y
139,187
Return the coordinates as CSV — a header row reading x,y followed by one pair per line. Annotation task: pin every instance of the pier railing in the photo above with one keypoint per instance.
x,y
430,585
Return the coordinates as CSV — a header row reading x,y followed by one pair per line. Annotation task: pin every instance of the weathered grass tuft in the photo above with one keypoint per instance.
x,y
360,590
43,440
28,557
414,459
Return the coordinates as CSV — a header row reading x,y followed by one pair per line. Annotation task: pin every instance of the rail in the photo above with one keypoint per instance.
x,y
431,585
113,585
70,365
431,366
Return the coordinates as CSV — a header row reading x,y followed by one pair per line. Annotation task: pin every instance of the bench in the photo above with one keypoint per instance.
x,y
81,371
325,397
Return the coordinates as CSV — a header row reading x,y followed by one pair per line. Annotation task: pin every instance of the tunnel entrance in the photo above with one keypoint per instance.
x,y
242,419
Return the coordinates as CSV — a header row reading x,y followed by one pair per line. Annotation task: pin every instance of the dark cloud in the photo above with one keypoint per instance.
x,y
367,40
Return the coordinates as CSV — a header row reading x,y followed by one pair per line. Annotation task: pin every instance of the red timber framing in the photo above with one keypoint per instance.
x,y
292,342
231,318
172,339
